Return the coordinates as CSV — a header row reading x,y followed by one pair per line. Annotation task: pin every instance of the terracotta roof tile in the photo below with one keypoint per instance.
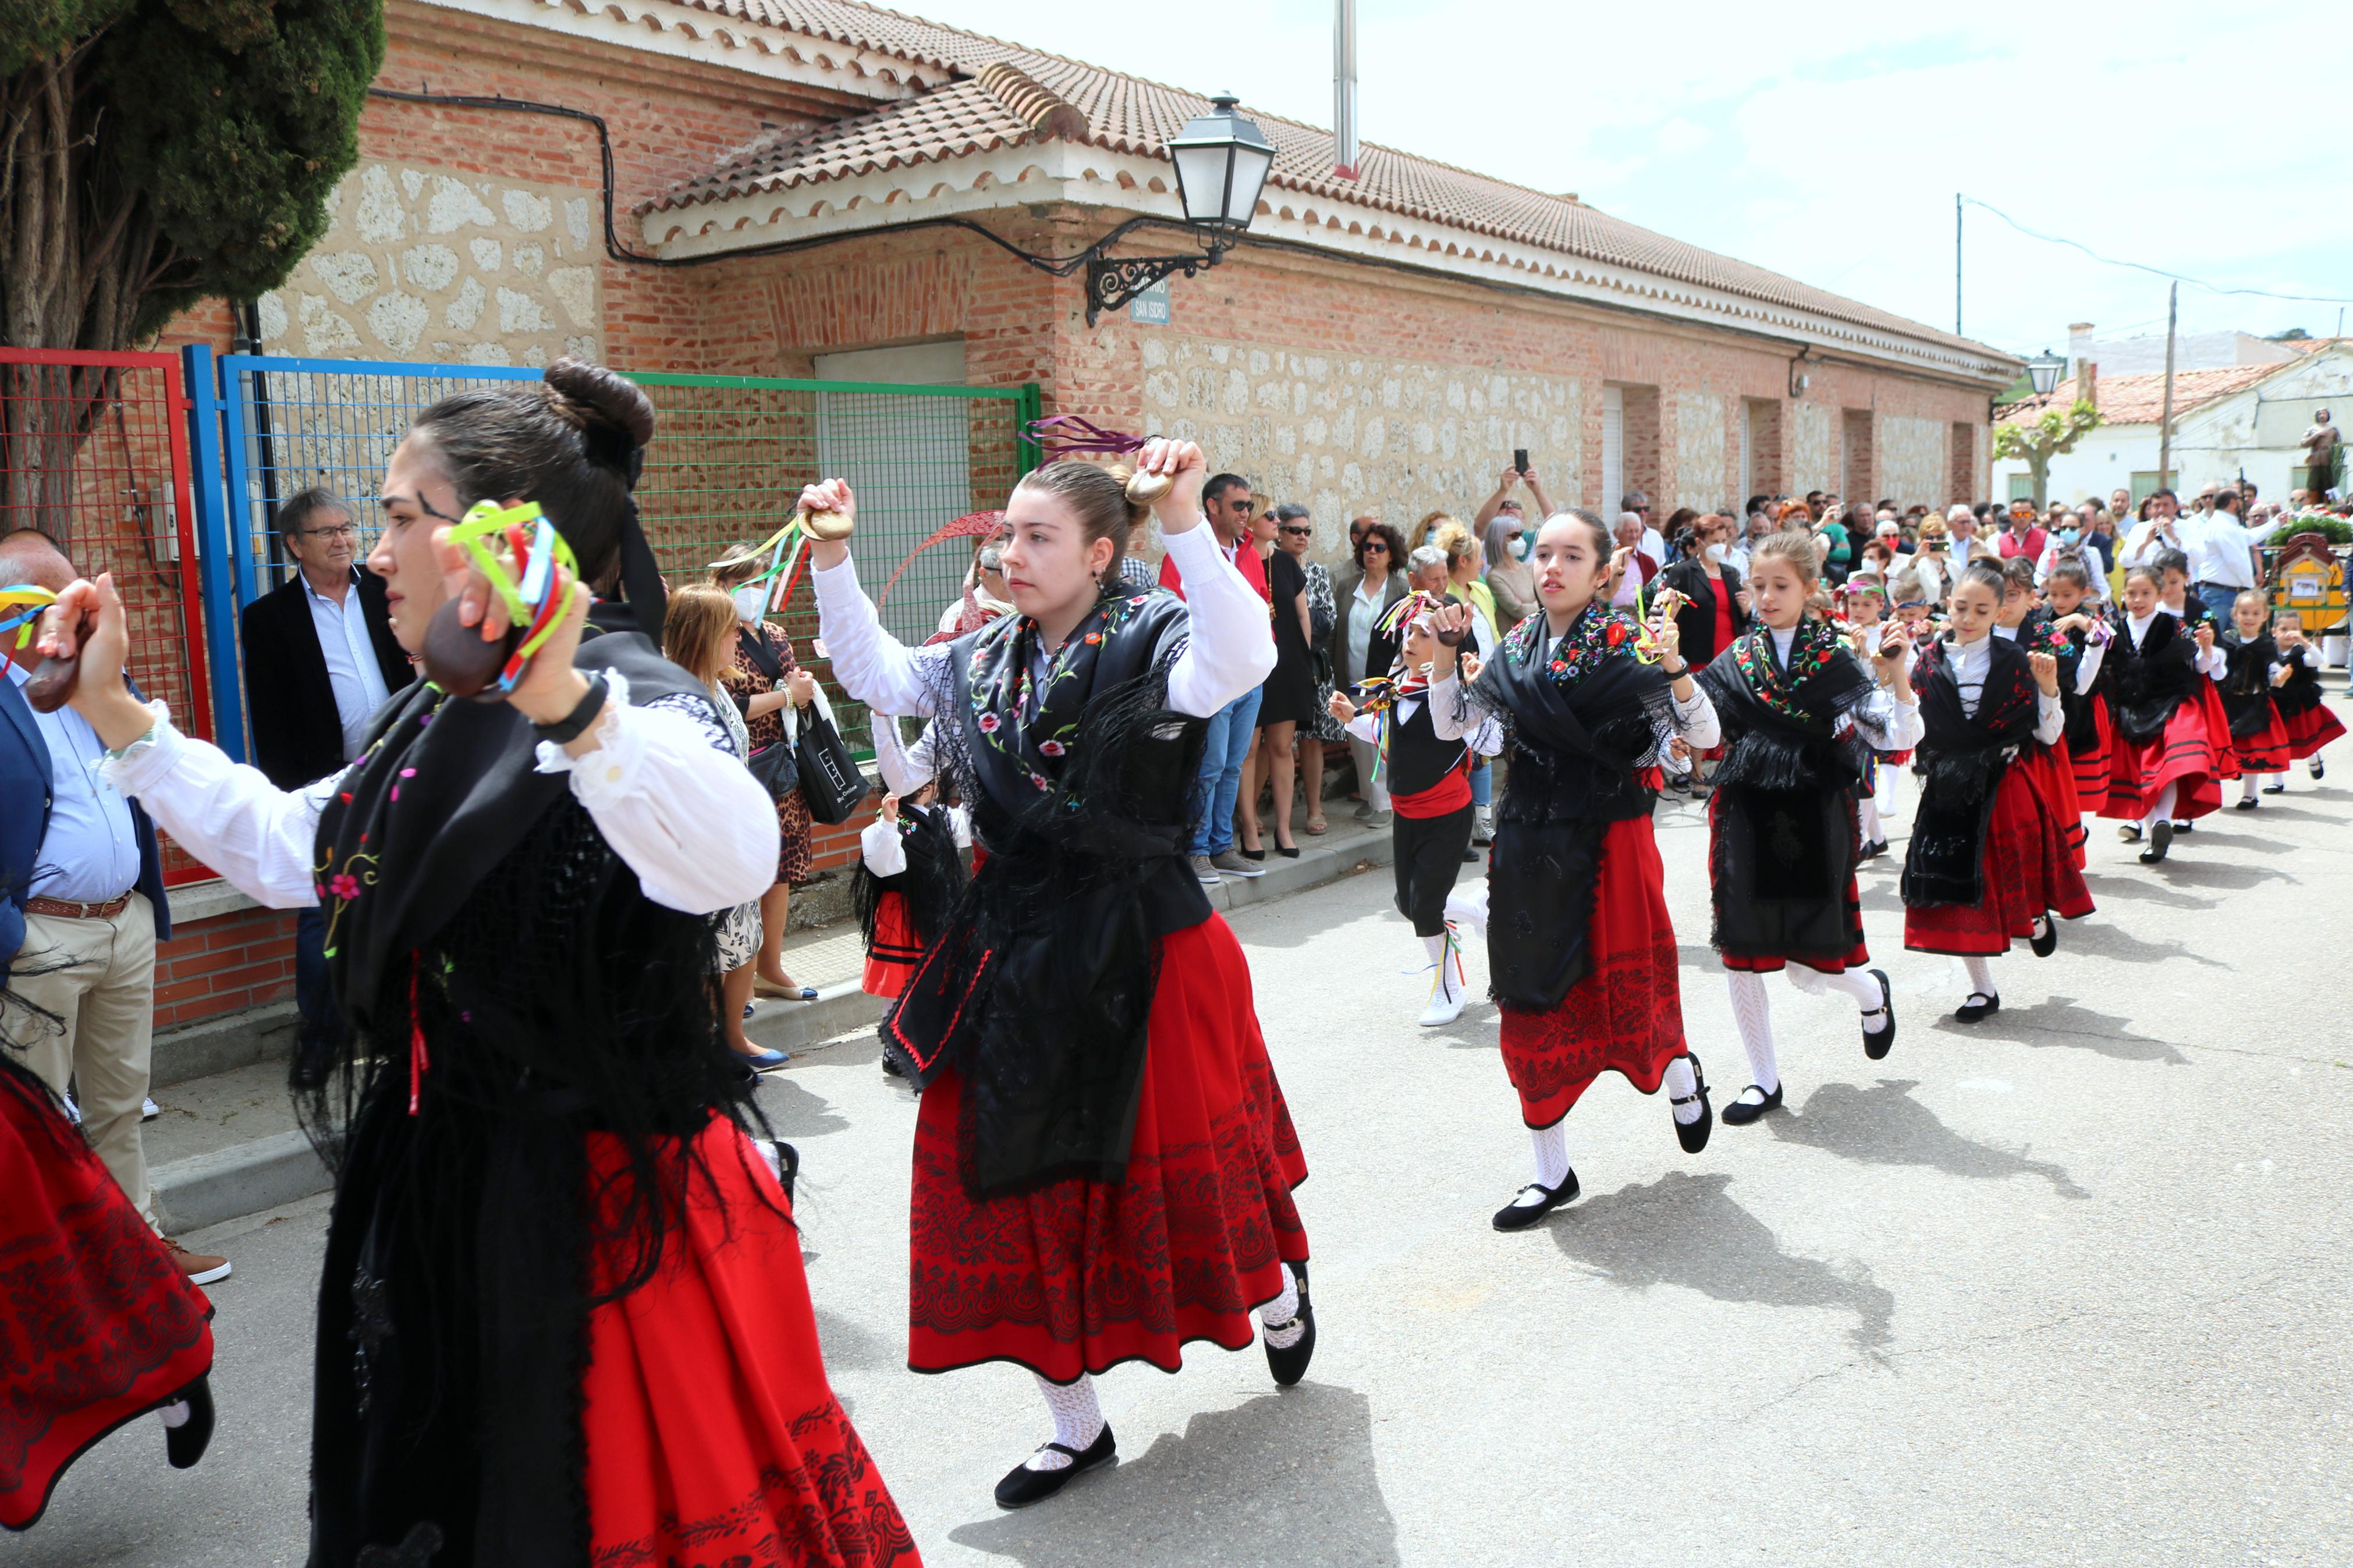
x,y
2140,399
1129,114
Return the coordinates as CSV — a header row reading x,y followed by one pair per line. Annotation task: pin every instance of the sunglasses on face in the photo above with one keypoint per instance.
x,y
1376,549
1297,532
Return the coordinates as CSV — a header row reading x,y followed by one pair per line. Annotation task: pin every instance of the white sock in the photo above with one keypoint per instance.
x,y
2247,788
1980,975
1552,1152
1278,1321
1078,1420
1753,1012
1680,1083
1868,812
1855,983
2164,810
1446,962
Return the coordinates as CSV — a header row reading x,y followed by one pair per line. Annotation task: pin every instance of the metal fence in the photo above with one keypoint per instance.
x,y
94,452
727,463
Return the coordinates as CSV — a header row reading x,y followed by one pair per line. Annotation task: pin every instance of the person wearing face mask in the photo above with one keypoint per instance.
x,y
770,691
984,596
1507,574
1713,612
1082,1031
1988,860
2068,537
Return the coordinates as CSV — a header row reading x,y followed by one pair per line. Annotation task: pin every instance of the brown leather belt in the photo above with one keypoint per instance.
x,y
66,908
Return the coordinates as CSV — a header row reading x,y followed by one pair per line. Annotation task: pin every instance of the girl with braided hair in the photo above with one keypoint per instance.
x,y
548,1203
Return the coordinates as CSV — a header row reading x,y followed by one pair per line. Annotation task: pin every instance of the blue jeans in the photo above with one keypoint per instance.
x,y
1230,729
1482,782
2219,599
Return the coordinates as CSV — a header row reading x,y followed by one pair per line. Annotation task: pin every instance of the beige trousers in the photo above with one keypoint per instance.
x,y
1367,755
97,977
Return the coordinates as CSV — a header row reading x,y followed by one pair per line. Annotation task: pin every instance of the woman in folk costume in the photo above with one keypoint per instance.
x,y
2253,671
2307,720
1581,953
2160,681
98,1324
1783,843
1989,859
909,866
1428,783
1103,1162
548,1211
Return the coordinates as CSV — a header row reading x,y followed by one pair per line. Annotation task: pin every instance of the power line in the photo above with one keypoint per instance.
x,y
2156,271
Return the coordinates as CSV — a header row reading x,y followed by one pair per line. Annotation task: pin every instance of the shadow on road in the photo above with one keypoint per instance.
x,y
794,1111
1686,1230
2060,1021
2102,940
1885,1126
2104,888
1282,1479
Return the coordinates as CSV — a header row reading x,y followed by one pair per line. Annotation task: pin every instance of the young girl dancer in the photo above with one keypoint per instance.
x,y
2090,733
1429,791
2159,681
1581,955
910,868
1988,860
2252,670
2031,625
2309,723
1867,627
1102,1160
548,1216
1782,840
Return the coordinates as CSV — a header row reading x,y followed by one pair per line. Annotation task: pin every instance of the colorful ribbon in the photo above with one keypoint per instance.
x,y
1047,436
34,599
530,592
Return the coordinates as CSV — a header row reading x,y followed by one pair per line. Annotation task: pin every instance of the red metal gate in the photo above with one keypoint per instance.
x,y
94,453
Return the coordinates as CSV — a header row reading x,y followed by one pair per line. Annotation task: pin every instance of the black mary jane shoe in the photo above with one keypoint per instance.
x,y
1517,1215
2046,945
2318,769
1744,1110
2184,826
2279,788
1290,1366
2161,839
1978,1005
1692,1135
1023,1486
184,1444
1877,1042
2246,803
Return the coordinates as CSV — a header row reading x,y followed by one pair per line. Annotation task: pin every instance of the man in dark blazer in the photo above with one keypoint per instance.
x,y
319,661
318,655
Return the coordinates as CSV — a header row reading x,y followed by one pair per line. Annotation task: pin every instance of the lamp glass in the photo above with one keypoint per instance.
x,y
1222,159
2043,370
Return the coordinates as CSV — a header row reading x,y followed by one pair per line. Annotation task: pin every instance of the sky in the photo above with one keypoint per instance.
x,y
1827,141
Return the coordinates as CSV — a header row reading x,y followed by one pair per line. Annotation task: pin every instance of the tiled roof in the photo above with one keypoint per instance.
x,y
1011,94
2140,399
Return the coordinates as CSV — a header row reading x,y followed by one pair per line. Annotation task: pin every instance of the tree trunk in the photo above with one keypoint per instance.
x,y
2037,464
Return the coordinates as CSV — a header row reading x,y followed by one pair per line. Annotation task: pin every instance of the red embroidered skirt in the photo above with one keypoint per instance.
x,y
2028,868
2309,731
1627,1013
2218,725
711,1434
895,952
2091,768
2183,754
1080,1276
2267,751
98,1324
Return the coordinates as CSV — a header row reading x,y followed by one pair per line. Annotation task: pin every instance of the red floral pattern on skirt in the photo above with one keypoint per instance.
x,y
2182,755
2030,868
1079,1276
714,1439
98,1324
1627,1013
2309,731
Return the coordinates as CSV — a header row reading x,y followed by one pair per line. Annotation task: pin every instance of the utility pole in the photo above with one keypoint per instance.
x,y
1956,264
2165,424
1343,89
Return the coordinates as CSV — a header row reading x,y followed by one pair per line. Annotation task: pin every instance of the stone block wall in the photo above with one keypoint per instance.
x,y
1912,466
1813,449
1705,477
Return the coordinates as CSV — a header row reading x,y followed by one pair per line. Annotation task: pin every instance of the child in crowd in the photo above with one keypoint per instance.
x,y
2306,719
1428,782
1866,607
1913,611
2067,594
2164,750
2252,670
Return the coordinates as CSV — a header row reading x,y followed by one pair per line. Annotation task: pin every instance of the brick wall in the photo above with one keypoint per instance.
x,y
242,959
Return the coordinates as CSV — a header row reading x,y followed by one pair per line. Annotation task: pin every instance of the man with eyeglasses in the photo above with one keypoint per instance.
x,y
319,661
1654,544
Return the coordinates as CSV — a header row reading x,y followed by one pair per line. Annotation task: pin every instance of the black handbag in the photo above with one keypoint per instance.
x,y
829,780
775,769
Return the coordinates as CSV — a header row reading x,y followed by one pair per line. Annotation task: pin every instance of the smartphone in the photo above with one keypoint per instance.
x,y
1520,461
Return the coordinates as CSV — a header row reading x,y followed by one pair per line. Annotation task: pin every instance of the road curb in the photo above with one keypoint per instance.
x,y
206,1189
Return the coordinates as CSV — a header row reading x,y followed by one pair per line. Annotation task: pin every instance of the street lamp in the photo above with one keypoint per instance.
x,y
2043,370
1222,159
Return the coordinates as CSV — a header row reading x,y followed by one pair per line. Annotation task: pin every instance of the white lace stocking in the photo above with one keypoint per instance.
x,y
1552,1152
1980,975
1753,1012
1279,1319
1680,1084
1078,1420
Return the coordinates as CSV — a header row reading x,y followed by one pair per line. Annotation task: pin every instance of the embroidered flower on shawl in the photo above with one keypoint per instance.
x,y
1813,649
345,885
1598,632
1050,748
988,723
995,696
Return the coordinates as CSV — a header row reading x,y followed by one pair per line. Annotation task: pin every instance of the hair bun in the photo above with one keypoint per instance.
x,y
592,394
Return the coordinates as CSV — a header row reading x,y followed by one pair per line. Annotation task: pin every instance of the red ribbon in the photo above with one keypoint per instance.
x,y
417,1060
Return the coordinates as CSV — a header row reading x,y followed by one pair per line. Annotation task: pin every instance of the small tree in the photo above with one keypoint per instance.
x,y
153,153
2055,432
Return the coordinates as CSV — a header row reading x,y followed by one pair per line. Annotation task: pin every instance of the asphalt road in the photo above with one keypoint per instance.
x,y
2069,1287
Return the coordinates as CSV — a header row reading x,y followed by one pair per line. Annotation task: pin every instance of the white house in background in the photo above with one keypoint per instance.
x,y
2144,355
2229,421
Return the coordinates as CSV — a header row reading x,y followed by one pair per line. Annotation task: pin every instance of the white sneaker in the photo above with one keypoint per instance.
x,y
1446,988
149,1110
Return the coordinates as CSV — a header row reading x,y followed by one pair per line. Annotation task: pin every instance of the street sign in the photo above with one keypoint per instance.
x,y
1150,308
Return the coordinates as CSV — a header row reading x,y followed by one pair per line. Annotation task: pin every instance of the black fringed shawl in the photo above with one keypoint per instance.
x,y
1965,759
2147,683
1585,713
1039,991
2247,683
930,886
1786,841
